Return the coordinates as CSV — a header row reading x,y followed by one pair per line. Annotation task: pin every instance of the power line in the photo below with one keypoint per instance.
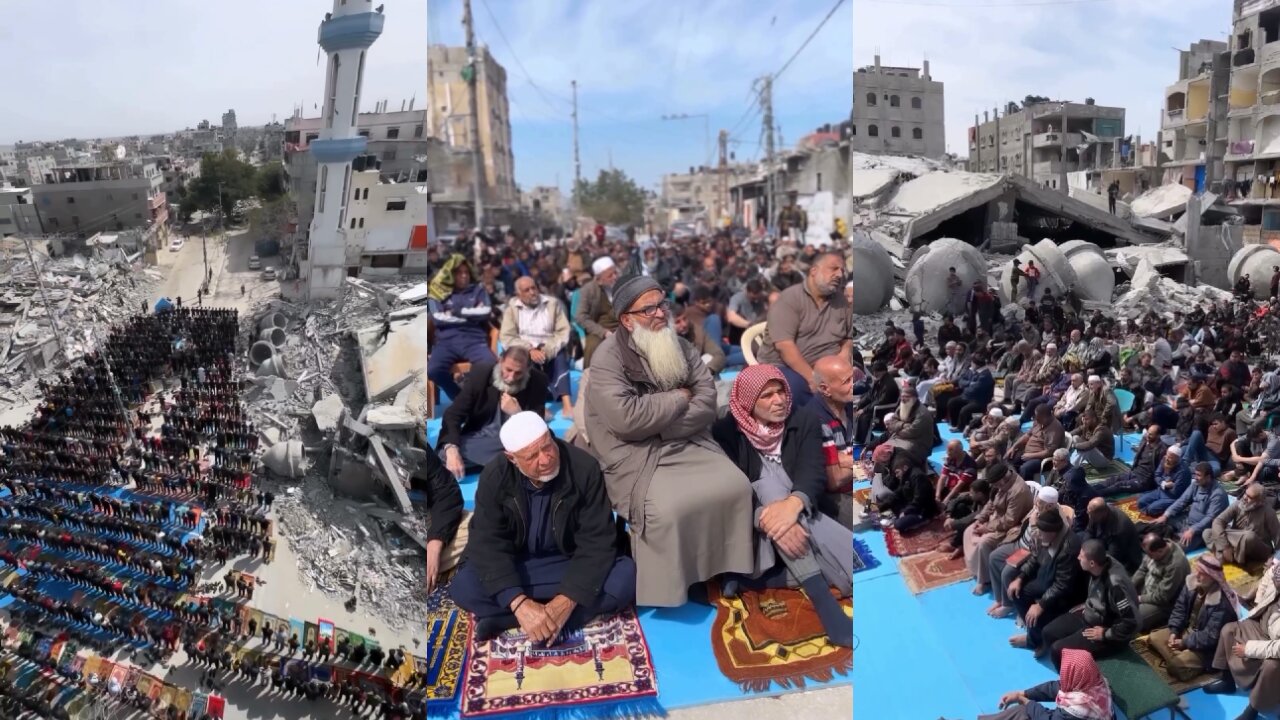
x,y
813,34
541,93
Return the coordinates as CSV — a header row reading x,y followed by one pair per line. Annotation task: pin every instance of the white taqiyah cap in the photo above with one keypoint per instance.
x,y
996,413
522,430
1048,495
601,264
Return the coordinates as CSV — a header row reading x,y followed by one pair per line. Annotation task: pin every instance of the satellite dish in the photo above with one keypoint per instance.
x,y
120,152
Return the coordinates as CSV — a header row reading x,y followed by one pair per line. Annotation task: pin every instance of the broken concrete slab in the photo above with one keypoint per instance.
x,y
417,293
328,412
390,417
387,468
1161,202
357,427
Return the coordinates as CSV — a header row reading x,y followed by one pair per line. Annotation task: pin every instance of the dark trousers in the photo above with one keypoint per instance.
x,y
540,580
1031,592
1065,632
1134,481
445,353
556,368
962,411
909,519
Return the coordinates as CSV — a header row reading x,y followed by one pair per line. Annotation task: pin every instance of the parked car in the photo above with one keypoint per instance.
x,y
176,244
255,262
269,274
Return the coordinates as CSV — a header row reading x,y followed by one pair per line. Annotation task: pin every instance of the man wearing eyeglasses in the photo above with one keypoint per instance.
x,y
809,321
650,405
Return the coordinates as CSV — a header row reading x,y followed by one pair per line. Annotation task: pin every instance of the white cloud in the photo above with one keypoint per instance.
x,y
1120,53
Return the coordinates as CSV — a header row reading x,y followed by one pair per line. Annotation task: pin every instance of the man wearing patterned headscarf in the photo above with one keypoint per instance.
x,y
1248,652
1079,693
1205,604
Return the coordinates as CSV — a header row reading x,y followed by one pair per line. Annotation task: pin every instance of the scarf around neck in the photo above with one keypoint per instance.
x,y
764,437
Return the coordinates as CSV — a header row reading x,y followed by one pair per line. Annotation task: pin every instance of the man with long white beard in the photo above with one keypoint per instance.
x,y
491,393
650,405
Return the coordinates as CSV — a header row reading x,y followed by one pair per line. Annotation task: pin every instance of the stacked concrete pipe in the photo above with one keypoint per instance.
x,y
1095,280
1256,261
273,320
872,275
927,275
260,352
273,335
1056,273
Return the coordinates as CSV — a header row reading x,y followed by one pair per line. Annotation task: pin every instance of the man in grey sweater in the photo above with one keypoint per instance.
x,y
1158,581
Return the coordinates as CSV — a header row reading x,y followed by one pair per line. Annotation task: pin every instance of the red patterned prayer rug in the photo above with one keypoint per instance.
x,y
774,636
922,540
603,670
927,571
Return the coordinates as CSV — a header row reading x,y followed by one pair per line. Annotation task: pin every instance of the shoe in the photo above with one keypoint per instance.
x,y
1249,714
1221,686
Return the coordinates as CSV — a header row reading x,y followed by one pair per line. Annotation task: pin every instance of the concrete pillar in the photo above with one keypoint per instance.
x,y
1095,280
926,284
872,275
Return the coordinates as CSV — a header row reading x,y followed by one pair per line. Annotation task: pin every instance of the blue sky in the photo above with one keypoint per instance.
x,y
87,68
636,61
1120,52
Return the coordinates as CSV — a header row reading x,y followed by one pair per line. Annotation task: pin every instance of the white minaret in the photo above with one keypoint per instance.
x,y
346,34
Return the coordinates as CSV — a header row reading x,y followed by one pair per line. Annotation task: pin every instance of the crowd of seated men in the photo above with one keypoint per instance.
x,y
1070,568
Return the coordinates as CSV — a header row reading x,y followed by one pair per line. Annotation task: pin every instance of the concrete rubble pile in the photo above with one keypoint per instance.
x,y
85,297
350,521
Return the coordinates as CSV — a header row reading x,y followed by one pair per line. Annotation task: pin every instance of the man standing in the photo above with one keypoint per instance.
x,y
793,222
809,321
650,405
955,296
1109,619
542,554
490,394
595,313
1113,190
460,311
538,322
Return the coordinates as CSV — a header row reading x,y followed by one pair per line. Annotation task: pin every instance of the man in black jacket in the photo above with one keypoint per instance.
x,y
1109,619
444,516
883,393
1050,581
1117,532
490,394
542,553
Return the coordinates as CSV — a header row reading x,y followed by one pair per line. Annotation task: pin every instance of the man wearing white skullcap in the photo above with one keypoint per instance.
x,y
595,313
542,553
1173,477
1003,572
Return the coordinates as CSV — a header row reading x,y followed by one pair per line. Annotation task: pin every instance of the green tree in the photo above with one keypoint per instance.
x,y
271,182
223,177
613,198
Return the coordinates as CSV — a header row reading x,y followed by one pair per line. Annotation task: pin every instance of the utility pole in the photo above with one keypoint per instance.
x,y
477,166
577,163
723,203
1062,153
766,102
53,318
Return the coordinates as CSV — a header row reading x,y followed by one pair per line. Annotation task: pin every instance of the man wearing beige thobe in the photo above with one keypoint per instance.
x,y
998,523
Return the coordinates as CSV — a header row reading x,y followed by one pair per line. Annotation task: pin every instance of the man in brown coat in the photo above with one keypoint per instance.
x,y
595,313
1247,531
998,523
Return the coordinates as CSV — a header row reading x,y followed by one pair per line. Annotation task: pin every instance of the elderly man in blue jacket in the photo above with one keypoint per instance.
x,y
1190,515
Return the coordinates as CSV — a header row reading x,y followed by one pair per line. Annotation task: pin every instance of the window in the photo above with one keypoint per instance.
x,y
853,129
366,193
915,103
353,223
819,182
53,221
417,131
894,101
357,194
71,200
393,133
312,136
364,133
388,154
871,98
917,134
895,131
362,222
393,205
873,130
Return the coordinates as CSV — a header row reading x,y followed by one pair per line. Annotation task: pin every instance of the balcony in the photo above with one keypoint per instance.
x,y
1240,149
1176,113
157,201
1048,167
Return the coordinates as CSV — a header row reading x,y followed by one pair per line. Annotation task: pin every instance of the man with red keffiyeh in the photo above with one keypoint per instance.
x,y
780,451
1079,693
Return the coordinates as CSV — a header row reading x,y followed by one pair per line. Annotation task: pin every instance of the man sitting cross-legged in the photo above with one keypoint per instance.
x,y
542,553
1050,581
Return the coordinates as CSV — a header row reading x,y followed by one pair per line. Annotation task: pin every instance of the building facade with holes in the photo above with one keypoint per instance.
x,y
1046,140
898,111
